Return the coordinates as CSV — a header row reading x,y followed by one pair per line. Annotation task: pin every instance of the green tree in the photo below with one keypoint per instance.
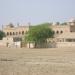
x,y
58,23
2,34
39,34
65,23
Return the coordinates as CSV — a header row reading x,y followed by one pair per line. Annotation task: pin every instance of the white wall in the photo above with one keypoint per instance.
x,y
2,44
11,43
17,44
30,45
65,44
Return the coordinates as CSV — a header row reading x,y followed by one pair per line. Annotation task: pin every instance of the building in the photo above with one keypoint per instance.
x,y
64,35
17,32
66,40
14,35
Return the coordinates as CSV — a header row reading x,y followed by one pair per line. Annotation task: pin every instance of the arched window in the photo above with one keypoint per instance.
x,y
10,33
13,33
16,33
61,32
7,33
57,32
22,32
19,32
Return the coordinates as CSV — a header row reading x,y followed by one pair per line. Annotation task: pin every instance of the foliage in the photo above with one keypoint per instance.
x,y
2,34
65,23
58,23
39,33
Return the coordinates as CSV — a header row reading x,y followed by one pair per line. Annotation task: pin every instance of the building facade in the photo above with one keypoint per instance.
x,y
14,35
11,31
64,35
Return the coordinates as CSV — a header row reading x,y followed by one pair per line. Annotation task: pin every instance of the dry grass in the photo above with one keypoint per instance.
x,y
54,61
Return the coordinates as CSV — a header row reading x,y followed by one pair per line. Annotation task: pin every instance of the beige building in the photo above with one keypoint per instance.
x,y
14,35
12,31
64,35
66,40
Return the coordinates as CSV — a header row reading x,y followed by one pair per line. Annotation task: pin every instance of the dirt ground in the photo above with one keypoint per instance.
x,y
52,61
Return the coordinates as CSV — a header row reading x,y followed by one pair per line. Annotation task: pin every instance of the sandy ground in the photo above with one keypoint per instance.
x,y
54,61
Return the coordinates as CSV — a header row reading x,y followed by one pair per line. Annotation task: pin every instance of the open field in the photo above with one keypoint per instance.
x,y
54,61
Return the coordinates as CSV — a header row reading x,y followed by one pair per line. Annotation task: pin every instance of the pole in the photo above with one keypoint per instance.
x,y
2,27
29,29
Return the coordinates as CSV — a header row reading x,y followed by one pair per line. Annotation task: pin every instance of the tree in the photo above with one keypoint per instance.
x,y
65,23
58,23
39,34
2,34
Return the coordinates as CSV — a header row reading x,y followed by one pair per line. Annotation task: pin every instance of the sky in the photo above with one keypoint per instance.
x,y
35,11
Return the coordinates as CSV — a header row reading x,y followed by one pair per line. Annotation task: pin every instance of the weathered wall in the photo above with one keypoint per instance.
x,y
65,44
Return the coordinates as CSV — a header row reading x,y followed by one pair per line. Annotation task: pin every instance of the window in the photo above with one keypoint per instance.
x,y
10,33
22,32
69,40
13,33
7,33
19,32
57,32
61,32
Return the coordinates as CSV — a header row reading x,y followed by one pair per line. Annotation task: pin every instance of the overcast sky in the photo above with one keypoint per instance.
x,y
36,11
